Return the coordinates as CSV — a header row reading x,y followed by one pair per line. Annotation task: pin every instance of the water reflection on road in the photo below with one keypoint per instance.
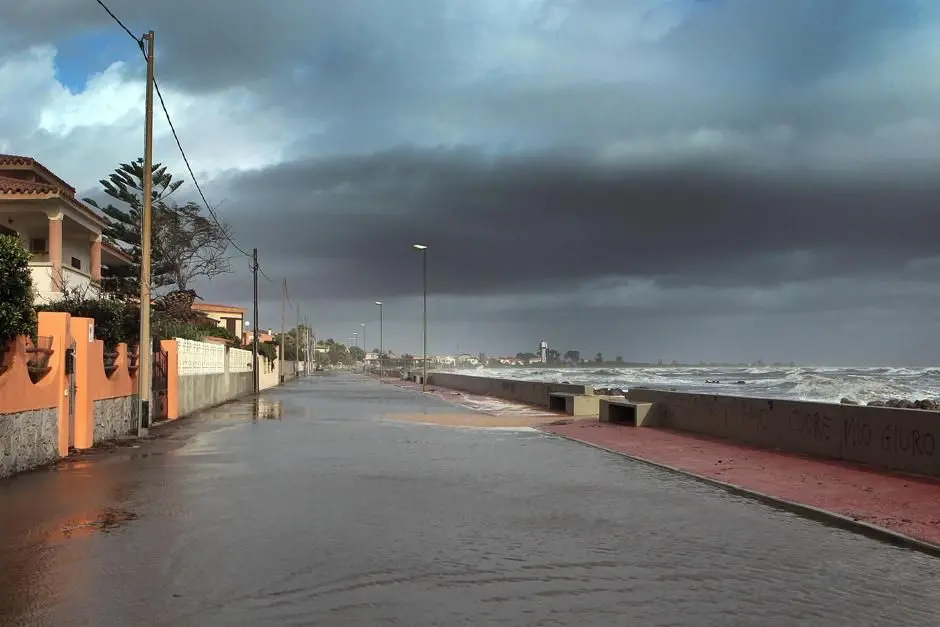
x,y
307,507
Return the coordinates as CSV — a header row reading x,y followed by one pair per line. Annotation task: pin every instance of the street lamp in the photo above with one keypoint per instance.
x,y
365,347
424,269
381,346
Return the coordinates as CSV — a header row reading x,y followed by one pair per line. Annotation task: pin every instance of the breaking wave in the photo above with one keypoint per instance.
x,y
799,383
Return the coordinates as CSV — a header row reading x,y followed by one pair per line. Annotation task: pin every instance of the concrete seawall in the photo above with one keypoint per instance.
x,y
529,392
900,439
897,439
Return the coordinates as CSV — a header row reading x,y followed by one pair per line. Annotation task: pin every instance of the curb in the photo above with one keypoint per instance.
x,y
826,517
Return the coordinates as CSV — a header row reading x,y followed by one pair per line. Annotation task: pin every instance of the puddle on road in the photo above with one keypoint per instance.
x,y
103,521
264,409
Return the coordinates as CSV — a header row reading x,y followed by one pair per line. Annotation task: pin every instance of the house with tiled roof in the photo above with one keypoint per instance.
x,y
62,234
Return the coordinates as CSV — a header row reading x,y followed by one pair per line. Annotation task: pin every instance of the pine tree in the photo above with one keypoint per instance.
x,y
184,244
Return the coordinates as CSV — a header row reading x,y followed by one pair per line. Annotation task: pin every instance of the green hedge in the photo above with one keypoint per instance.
x,y
115,321
118,321
17,315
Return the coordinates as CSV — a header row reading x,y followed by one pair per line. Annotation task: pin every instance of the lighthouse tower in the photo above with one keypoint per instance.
x,y
543,351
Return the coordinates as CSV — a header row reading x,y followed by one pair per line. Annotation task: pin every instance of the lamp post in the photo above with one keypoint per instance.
x,y
424,271
381,346
365,347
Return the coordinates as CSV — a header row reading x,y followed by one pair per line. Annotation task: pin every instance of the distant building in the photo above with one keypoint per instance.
x,y
248,336
226,316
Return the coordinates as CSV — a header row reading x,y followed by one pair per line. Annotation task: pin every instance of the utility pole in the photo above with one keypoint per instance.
x,y
381,345
254,323
145,356
424,271
282,359
306,347
297,345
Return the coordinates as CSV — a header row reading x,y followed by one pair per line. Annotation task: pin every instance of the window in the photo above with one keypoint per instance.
x,y
38,245
230,325
76,263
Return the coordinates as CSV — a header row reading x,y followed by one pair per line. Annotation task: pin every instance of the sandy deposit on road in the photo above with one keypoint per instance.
x,y
476,420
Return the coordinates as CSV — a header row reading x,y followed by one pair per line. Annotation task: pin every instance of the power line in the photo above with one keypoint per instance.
x,y
264,275
139,40
179,144
192,174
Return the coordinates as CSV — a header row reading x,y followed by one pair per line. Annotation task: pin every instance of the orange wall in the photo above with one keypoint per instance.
x,y
58,326
120,383
17,391
91,382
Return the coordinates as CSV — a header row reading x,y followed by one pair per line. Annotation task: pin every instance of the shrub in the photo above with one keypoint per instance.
x,y
17,315
115,321
225,334
170,328
268,351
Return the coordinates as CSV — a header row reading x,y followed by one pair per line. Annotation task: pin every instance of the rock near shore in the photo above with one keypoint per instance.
x,y
899,403
610,392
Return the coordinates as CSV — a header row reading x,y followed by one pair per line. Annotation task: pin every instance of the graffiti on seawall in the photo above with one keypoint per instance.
x,y
849,427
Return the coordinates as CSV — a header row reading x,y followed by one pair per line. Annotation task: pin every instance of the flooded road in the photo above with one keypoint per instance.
x,y
322,512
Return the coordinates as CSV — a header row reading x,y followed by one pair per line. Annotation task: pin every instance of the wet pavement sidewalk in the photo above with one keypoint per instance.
x,y
339,500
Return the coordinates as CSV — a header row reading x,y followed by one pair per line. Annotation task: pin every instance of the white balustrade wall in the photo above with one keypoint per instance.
x,y
239,360
200,358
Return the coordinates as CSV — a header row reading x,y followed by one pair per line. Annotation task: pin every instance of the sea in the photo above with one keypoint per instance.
x,y
823,384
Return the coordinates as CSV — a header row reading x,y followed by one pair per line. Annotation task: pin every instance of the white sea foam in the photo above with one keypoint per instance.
x,y
828,384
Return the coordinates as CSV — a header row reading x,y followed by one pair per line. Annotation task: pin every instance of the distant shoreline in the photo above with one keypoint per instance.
x,y
613,364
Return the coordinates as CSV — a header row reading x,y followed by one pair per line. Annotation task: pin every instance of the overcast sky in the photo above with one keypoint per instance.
x,y
675,179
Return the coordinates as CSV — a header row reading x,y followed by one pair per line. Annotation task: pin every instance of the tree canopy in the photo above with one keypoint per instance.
x,y
185,244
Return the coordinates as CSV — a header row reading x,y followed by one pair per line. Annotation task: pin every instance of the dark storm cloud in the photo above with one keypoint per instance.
x,y
540,223
768,159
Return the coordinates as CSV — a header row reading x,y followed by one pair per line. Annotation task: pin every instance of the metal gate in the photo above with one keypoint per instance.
x,y
159,387
70,381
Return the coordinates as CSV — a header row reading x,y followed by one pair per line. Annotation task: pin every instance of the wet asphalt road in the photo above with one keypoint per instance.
x,y
321,513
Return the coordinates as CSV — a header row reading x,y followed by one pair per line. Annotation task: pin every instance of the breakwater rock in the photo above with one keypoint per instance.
x,y
610,392
899,403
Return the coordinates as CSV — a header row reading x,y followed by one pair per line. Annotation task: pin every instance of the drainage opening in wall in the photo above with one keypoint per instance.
x,y
557,403
622,414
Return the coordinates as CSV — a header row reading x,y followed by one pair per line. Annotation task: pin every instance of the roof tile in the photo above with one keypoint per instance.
x,y
19,161
9,185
